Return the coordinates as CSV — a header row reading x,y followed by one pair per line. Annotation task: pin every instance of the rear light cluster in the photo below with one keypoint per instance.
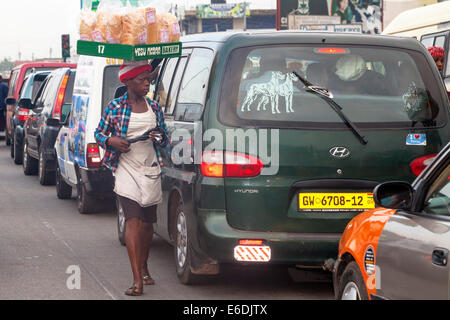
x,y
60,99
23,114
419,164
93,156
220,164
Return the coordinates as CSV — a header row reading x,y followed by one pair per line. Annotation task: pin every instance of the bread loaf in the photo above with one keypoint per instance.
x,y
134,27
87,25
162,28
99,34
114,28
150,15
174,27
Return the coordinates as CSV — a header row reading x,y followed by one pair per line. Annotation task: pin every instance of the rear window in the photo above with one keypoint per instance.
x,y
68,97
31,87
110,84
375,86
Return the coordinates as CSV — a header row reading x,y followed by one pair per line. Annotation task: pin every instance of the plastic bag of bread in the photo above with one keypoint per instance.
x,y
88,21
150,19
174,27
134,26
99,33
114,27
162,28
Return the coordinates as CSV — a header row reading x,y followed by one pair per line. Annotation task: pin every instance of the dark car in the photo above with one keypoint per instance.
x,y
18,74
401,249
49,109
278,139
28,90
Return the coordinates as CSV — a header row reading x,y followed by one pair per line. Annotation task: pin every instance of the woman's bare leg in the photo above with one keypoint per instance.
x,y
134,248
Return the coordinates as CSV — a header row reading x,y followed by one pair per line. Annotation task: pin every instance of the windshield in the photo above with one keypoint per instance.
x,y
375,86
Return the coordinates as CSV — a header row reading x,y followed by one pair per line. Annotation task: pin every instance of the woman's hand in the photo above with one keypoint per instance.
x,y
156,136
119,144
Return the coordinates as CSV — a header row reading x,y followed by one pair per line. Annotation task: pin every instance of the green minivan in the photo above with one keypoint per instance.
x,y
278,139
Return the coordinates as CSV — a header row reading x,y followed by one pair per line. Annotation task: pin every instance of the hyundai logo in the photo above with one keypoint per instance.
x,y
340,152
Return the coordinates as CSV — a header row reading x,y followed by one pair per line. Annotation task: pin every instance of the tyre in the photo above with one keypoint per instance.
x,y
63,190
121,226
18,151
7,137
86,203
182,249
351,284
11,147
46,177
30,165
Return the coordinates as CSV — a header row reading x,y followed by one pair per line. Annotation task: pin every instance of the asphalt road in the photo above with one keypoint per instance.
x,y
50,251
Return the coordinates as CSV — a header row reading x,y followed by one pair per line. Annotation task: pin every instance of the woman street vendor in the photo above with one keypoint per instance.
x,y
130,128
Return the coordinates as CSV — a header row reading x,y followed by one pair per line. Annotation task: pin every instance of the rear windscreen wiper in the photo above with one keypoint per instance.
x,y
326,95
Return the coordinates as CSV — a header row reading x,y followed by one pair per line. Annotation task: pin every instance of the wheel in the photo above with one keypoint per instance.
x,y
7,137
351,284
30,165
86,203
121,226
182,250
11,146
46,177
63,190
18,151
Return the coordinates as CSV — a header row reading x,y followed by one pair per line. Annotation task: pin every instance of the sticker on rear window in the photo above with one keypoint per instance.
x,y
416,139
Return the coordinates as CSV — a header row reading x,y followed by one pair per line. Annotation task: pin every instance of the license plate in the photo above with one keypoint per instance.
x,y
327,202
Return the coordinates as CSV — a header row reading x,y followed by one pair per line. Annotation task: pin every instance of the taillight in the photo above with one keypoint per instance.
x,y
93,155
60,99
418,165
250,242
221,164
23,114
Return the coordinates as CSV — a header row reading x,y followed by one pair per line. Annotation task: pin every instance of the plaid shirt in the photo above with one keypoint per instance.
x,y
115,121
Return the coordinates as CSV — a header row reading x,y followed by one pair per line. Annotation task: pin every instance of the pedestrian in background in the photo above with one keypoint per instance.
x,y
438,55
135,165
3,96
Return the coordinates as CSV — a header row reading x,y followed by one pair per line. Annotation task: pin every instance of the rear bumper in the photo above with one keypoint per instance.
x,y
217,240
97,182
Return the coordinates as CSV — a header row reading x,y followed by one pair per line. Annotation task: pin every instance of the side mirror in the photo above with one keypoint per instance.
x,y
10,101
394,195
25,103
52,122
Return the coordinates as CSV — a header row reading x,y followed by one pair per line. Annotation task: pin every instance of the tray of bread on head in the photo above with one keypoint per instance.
x,y
129,33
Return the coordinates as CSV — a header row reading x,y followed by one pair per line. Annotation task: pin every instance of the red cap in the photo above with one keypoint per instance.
x,y
436,51
131,70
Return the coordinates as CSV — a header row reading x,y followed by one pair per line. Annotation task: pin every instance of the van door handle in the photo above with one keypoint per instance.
x,y
440,257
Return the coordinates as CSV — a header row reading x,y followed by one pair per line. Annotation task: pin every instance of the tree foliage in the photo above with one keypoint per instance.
x,y
6,65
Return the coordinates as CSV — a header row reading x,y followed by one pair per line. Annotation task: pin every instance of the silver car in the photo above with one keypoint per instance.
x,y
400,249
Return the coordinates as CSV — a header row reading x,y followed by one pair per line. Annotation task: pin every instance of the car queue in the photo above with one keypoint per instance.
x,y
335,115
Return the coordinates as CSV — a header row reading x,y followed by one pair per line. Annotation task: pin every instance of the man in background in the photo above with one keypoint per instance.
x,y
3,95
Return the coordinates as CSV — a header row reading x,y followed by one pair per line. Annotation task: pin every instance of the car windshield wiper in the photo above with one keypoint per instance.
x,y
326,95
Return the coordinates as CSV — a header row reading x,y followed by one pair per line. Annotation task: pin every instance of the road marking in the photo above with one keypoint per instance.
x,y
93,276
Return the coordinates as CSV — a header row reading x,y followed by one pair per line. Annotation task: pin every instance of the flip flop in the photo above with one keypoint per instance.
x,y
134,291
148,280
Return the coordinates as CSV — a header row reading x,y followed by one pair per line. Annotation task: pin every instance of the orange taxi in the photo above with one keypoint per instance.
x,y
400,249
